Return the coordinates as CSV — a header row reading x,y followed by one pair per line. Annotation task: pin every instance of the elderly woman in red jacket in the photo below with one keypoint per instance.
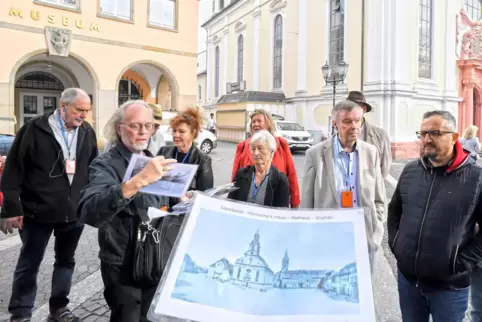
x,y
282,159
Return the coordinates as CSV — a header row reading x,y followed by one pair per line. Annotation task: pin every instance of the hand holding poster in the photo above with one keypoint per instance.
x,y
173,184
239,262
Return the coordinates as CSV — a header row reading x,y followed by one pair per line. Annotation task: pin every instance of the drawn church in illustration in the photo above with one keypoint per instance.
x,y
252,271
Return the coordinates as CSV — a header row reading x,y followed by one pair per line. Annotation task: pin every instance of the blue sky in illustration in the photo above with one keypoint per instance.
x,y
310,246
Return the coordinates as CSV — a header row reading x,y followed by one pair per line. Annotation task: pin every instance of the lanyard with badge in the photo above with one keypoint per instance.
x,y
185,157
254,187
346,199
69,164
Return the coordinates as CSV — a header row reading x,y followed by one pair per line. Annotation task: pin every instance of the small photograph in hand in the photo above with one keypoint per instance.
x,y
174,183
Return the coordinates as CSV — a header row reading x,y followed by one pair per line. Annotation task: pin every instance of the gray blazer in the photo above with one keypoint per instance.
x,y
380,139
318,186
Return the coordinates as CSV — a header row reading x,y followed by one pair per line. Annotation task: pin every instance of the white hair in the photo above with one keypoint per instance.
x,y
345,105
70,95
265,137
110,129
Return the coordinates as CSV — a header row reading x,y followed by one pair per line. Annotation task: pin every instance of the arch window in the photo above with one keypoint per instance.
x,y
473,9
240,57
128,90
216,72
278,52
425,33
40,80
337,31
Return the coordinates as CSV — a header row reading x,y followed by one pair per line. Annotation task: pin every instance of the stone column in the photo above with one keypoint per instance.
x,y
469,105
256,31
302,46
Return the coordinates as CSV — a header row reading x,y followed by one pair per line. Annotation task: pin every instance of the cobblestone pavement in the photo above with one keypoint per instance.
x,y
86,297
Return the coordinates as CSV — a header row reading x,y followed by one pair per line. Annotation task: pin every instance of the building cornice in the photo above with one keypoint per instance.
x,y
221,13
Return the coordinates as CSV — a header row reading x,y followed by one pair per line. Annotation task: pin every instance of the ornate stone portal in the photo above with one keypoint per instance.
x,y
58,41
469,54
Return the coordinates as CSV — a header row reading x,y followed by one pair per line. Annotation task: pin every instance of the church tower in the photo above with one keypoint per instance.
x,y
254,246
286,262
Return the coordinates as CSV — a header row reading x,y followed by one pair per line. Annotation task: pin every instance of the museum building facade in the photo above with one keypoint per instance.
x,y
115,50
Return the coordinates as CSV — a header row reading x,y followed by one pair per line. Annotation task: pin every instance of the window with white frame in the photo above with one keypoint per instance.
x,y
240,57
425,39
70,4
337,31
162,13
221,4
199,92
278,52
216,72
121,9
473,9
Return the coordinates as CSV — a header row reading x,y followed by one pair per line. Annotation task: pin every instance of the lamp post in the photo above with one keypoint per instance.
x,y
334,75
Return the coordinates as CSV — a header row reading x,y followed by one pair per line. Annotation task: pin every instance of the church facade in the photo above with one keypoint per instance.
x,y
252,271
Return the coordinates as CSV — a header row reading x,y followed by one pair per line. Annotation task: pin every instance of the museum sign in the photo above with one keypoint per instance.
x,y
55,19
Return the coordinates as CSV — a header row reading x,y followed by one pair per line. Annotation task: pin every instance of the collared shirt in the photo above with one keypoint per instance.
x,y
345,163
71,138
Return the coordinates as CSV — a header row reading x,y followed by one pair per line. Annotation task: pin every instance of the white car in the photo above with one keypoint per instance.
x,y
206,140
298,138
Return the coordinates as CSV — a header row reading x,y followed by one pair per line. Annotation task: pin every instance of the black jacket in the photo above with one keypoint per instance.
x,y
277,191
203,179
103,206
431,220
34,182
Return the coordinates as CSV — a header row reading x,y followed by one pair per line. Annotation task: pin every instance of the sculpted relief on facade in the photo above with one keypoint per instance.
x,y
469,37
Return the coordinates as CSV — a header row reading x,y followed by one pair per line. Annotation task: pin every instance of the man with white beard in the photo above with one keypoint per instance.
x,y
119,210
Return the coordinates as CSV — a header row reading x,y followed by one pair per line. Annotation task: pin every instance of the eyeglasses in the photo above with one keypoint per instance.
x,y
138,126
433,134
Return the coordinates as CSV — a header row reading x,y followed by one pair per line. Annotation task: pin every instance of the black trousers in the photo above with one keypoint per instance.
x,y
128,301
35,237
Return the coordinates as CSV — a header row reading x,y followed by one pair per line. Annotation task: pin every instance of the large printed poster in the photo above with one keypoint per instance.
x,y
238,262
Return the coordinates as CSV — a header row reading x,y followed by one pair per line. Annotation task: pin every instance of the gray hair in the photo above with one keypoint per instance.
x,y
345,105
110,128
69,95
265,137
446,115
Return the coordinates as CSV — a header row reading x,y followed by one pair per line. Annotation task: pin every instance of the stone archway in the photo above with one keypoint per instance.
x,y
37,80
153,75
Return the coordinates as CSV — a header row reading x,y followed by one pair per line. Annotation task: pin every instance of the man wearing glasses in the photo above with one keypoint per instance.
x,y
45,171
431,224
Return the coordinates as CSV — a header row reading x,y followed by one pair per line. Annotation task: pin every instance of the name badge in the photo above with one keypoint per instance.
x,y
70,166
347,199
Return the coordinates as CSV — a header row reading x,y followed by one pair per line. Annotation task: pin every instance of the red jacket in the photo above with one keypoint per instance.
x,y
282,160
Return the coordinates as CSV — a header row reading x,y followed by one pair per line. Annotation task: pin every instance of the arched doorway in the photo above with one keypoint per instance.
x,y
39,79
148,81
39,93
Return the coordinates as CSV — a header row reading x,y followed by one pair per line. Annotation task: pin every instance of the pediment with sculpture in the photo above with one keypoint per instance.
x,y
468,37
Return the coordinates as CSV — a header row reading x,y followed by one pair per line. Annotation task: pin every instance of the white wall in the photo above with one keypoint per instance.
x,y
205,12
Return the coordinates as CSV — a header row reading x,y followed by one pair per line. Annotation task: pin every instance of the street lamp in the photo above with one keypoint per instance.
x,y
334,75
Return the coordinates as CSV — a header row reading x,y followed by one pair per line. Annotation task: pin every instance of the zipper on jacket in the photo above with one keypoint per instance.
x,y
421,228
455,258
395,239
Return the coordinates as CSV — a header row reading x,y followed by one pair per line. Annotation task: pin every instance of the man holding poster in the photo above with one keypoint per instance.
x,y
119,210
344,172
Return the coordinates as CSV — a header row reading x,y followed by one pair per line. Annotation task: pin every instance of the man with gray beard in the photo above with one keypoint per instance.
x,y
431,224
118,209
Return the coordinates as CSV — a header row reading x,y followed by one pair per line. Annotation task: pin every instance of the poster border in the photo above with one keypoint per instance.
x,y
193,311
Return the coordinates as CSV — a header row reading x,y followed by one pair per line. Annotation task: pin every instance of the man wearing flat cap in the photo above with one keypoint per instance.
x,y
373,134
157,140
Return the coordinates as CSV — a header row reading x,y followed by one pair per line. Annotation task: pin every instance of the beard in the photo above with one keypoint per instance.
x,y
140,146
433,154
